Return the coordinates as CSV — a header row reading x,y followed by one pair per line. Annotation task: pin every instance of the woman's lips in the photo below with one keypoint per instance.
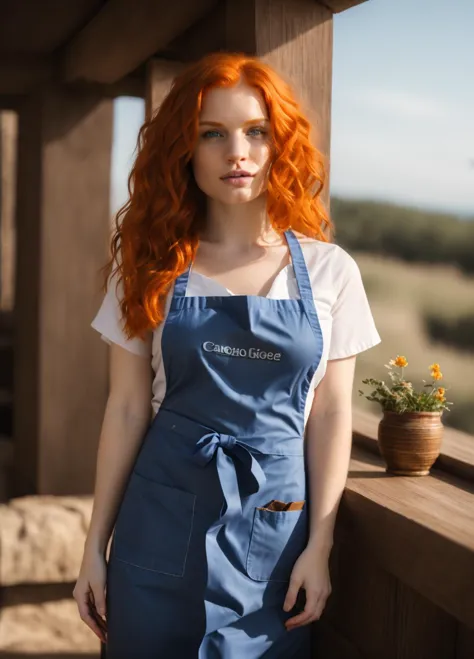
x,y
238,181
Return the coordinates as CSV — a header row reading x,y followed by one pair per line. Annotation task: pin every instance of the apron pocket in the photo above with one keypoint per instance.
x,y
154,526
276,541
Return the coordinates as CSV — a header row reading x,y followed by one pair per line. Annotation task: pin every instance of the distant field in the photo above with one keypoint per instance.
x,y
399,294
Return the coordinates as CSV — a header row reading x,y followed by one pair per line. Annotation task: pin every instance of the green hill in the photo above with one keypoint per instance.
x,y
402,298
408,234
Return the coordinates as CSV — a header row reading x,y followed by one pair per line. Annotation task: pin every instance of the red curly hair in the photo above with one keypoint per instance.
x,y
158,234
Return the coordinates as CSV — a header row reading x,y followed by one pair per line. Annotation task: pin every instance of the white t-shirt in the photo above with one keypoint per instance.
x,y
341,303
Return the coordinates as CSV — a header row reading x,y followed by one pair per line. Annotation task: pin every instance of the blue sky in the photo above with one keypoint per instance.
x,y
402,107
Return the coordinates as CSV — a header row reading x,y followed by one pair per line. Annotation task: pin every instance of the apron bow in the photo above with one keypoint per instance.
x,y
226,448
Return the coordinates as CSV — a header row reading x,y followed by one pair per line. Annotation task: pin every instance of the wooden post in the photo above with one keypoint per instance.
x,y
296,39
8,147
159,76
8,143
62,232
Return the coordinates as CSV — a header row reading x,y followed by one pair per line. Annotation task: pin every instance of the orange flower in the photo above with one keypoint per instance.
x,y
400,361
440,397
435,367
441,390
436,375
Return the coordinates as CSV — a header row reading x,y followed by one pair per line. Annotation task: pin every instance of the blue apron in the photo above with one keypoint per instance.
x,y
206,538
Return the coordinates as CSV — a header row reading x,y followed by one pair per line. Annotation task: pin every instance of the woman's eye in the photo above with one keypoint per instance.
x,y
214,133
261,130
209,132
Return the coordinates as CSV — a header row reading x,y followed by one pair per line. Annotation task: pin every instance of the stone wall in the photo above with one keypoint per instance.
x,y
41,544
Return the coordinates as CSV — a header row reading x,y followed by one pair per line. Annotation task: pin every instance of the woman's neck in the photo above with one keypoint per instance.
x,y
239,226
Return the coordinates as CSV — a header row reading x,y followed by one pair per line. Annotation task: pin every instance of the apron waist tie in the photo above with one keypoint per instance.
x,y
226,448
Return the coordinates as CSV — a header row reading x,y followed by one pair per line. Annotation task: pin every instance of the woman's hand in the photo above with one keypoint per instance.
x,y
311,572
89,592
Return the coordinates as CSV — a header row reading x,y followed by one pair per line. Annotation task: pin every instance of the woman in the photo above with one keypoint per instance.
x,y
229,286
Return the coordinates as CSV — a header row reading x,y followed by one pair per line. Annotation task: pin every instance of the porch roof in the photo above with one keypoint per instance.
x,y
95,41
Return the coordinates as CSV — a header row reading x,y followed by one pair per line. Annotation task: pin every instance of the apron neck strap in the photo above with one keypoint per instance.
x,y
304,283
181,283
299,266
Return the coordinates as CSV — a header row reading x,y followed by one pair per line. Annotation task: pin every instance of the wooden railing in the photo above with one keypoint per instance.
x,y
402,566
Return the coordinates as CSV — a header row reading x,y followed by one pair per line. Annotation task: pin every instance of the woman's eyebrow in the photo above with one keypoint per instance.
x,y
250,121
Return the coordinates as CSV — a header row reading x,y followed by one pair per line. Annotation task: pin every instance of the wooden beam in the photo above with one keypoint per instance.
x,y
206,35
336,6
132,85
123,35
209,32
21,75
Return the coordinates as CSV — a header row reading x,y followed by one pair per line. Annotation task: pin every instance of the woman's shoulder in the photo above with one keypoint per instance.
x,y
314,242
315,249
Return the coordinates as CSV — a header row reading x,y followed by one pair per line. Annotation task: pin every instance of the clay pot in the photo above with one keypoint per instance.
x,y
410,442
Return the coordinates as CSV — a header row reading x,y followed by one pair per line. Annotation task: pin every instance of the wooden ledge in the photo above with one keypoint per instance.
x,y
420,529
457,450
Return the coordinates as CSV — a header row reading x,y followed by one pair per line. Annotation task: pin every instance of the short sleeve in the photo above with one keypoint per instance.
x,y
353,326
109,323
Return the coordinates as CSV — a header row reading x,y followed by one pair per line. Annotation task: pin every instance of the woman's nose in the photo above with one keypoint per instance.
x,y
237,147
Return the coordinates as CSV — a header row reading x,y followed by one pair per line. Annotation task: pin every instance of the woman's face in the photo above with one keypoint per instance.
x,y
234,134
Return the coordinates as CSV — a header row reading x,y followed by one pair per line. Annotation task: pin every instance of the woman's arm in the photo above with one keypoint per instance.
x,y
328,446
126,419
